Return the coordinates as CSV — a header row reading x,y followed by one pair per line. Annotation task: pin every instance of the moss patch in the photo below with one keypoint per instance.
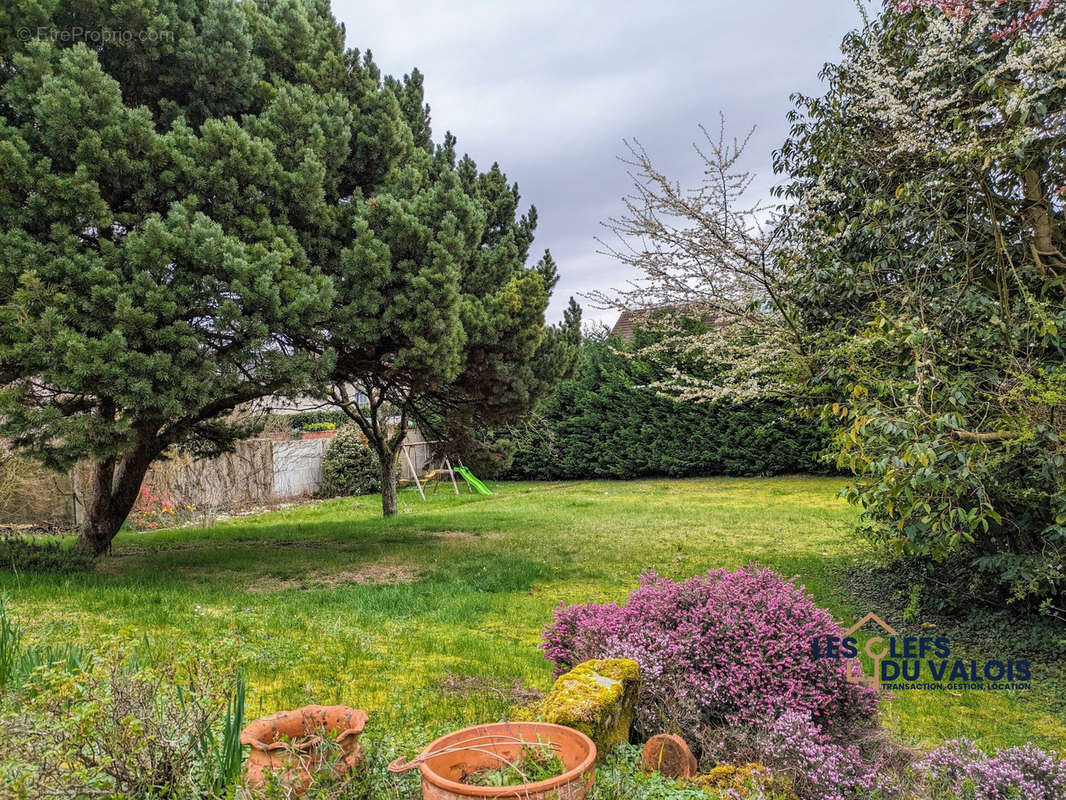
x,y
596,698
748,780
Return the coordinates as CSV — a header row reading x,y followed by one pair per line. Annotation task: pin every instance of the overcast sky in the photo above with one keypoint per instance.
x,y
549,89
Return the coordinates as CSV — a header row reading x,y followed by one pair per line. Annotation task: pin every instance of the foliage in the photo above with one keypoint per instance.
x,y
18,660
619,776
911,285
36,556
1026,15
222,744
155,508
744,780
302,419
724,647
819,767
960,769
438,318
953,599
304,595
536,761
154,277
622,775
125,726
705,252
936,293
315,427
608,422
349,466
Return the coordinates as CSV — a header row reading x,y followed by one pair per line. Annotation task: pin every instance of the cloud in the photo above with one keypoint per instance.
x,y
549,89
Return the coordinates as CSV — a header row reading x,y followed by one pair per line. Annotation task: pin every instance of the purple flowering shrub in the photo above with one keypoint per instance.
x,y
726,647
820,767
959,769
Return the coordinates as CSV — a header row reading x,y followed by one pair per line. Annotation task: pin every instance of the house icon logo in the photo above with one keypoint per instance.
x,y
876,648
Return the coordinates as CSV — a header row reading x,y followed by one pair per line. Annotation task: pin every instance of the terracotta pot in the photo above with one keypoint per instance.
x,y
667,753
273,751
441,773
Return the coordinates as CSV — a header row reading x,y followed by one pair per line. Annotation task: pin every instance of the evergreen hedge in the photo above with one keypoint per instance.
x,y
602,424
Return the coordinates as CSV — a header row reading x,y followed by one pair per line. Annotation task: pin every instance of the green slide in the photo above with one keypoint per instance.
x,y
468,476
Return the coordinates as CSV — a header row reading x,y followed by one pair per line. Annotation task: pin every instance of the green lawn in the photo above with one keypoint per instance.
x,y
329,603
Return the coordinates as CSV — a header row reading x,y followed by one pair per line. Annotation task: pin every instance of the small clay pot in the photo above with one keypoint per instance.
x,y
668,754
472,749
285,744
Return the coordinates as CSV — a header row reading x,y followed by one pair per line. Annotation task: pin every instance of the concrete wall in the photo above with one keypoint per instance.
x,y
259,472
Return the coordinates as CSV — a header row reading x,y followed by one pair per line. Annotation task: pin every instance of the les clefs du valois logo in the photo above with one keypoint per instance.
x,y
915,662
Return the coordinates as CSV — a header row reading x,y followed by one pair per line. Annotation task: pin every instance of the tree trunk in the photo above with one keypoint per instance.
x,y
111,494
388,482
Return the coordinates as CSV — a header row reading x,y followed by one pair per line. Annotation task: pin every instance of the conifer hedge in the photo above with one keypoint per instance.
x,y
605,423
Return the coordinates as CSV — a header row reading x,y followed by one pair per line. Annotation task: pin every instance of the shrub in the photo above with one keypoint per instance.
x,y
156,508
22,555
317,427
606,423
721,648
820,768
959,769
125,727
302,419
350,466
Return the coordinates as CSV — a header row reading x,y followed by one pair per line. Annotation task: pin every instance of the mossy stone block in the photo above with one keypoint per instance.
x,y
597,698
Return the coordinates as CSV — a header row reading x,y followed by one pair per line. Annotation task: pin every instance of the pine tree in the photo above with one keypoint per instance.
x,y
181,206
438,319
161,201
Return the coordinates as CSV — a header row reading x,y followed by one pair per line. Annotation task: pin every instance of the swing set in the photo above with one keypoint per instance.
x,y
444,467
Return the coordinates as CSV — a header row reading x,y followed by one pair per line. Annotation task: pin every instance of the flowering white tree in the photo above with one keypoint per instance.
x,y
705,253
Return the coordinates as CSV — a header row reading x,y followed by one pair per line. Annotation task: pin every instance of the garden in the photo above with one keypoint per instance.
x,y
793,529
434,620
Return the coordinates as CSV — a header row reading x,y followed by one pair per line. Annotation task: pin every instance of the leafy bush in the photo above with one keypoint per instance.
x,y
302,419
604,423
349,466
721,648
124,727
622,776
316,427
23,555
934,340
959,769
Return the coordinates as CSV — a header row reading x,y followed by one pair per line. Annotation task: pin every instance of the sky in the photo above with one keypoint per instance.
x,y
550,89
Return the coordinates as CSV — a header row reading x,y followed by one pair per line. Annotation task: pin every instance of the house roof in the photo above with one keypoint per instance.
x,y
623,327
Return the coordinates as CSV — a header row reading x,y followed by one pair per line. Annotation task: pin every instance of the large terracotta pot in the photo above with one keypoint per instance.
x,y
443,763
292,762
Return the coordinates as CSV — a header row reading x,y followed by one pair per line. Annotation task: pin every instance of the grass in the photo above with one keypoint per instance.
x,y
329,603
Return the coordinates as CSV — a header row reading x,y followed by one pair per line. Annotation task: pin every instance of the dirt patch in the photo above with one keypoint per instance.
x,y
366,575
465,535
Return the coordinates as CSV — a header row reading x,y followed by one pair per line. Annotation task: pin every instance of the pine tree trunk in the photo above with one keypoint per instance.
x,y
110,496
388,483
